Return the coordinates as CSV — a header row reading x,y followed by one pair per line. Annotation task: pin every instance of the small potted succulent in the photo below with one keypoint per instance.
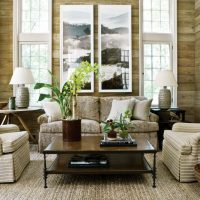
x,y
112,127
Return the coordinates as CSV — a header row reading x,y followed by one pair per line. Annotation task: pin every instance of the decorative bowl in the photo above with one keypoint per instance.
x,y
3,104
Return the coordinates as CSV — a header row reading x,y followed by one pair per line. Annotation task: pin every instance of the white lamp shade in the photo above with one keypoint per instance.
x,y
22,75
165,78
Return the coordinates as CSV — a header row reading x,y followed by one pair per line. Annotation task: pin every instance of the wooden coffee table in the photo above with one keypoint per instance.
x,y
122,160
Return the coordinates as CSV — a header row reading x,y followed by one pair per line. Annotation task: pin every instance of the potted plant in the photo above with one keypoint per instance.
x,y
67,98
112,127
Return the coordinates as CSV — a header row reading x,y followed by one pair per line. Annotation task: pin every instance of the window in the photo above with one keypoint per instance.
x,y
158,49
156,16
32,41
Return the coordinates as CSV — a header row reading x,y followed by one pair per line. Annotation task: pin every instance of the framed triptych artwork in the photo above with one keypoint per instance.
x,y
115,48
76,41
114,45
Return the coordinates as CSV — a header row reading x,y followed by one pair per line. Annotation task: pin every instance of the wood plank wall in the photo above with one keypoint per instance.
x,y
186,57
6,64
186,48
197,59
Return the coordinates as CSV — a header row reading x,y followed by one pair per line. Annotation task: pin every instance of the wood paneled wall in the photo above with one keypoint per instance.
x,y
6,63
197,60
186,57
187,84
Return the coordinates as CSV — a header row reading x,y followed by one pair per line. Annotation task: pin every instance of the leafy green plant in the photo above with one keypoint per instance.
x,y
70,89
78,79
62,97
110,125
120,125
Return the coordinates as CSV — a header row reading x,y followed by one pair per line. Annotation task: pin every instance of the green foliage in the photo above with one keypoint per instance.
x,y
121,125
109,125
71,88
61,97
81,76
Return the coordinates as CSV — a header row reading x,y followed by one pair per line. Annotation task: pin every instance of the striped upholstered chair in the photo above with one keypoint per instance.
x,y
14,152
181,150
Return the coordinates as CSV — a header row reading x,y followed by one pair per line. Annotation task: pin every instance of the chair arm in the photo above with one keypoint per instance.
x,y
186,127
195,141
9,128
42,119
153,117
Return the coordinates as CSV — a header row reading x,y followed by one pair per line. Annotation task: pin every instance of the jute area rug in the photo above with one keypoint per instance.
x,y
98,187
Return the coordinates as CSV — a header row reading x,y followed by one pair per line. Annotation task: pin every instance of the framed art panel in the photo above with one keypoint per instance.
x,y
115,56
76,41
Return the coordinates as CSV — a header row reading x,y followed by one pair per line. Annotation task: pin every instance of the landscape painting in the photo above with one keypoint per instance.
x,y
76,41
115,48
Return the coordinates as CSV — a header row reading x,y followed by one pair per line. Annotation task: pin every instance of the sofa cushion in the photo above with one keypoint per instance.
x,y
12,141
87,126
88,107
139,126
52,127
106,103
180,141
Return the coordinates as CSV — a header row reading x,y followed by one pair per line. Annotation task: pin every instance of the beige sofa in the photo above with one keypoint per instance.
x,y
93,110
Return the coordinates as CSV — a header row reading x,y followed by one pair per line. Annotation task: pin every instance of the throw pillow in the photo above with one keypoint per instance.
x,y
52,110
141,109
120,107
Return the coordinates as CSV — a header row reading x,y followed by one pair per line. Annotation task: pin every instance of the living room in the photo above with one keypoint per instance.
x,y
99,99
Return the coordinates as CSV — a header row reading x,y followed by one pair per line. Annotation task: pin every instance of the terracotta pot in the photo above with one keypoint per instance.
x,y
112,134
71,130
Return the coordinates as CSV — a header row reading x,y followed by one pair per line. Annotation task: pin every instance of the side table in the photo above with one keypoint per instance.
x,y
8,113
166,120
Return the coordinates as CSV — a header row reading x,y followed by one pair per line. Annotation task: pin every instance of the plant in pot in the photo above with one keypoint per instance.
x,y
67,98
112,127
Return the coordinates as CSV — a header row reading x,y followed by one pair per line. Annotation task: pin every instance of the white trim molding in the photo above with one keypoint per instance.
x,y
152,37
30,38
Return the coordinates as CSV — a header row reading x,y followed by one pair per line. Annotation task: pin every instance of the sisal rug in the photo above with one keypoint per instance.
x,y
99,187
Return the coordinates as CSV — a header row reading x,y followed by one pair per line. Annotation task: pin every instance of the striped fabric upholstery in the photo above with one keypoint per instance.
x,y
12,141
8,128
12,165
14,152
185,143
186,127
181,151
1,151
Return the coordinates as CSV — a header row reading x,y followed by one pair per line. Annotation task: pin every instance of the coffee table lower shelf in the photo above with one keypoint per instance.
x,y
119,163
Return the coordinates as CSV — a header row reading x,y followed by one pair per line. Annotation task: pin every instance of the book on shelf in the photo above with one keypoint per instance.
x,y
129,141
91,160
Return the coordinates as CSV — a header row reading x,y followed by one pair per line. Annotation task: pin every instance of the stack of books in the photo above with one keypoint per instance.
x,y
87,161
129,141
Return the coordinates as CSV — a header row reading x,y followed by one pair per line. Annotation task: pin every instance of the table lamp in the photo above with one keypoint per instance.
x,y
20,77
165,78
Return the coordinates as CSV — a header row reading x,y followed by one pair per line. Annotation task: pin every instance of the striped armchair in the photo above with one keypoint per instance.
x,y
181,150
14,152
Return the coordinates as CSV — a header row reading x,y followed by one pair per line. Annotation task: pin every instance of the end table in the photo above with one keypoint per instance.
x,y
8,113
